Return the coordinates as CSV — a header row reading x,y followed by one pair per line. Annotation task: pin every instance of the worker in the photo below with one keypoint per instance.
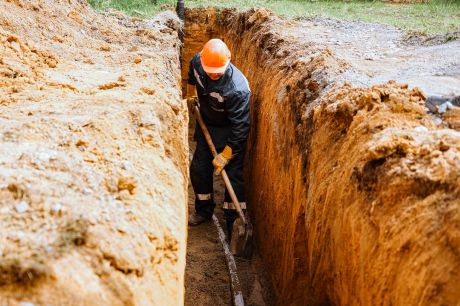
x,y
223,95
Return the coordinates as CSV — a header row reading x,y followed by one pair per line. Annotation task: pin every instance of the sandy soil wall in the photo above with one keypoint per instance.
x,y
355,192
93,157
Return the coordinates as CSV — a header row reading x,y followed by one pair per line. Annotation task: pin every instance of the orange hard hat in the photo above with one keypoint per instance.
x,y
215,56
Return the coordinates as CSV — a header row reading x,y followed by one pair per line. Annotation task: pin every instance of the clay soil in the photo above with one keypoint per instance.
x,y
93,157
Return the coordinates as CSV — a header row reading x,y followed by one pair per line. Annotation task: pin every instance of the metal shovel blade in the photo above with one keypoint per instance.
x,y
241,242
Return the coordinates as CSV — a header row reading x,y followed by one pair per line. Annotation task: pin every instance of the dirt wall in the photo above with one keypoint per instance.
x,y
93,157
354,191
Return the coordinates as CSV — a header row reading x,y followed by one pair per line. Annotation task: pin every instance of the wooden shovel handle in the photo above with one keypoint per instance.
x,y
230,190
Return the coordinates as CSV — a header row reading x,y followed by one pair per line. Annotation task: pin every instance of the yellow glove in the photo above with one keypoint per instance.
x,y
222,159
192,101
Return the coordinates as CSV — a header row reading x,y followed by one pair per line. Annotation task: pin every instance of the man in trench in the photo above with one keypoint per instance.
x,y
223,95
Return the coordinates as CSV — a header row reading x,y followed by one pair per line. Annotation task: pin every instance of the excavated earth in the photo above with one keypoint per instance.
x,y
93,157
353,186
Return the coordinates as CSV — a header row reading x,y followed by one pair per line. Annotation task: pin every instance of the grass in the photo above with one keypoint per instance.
x,y
138,8
434,17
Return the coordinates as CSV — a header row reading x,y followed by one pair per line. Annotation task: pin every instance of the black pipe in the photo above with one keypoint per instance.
x,y
235,286
180,8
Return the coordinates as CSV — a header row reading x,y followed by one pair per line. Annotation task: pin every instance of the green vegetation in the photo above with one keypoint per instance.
x,y
138,8
434,17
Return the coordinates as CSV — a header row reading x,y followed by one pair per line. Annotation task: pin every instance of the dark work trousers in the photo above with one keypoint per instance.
x,y
201,173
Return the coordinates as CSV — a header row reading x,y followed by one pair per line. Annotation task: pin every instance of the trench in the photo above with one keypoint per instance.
x,y
207,280
339,217
354,191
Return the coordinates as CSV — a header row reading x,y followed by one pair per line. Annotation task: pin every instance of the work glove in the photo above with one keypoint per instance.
x,y
222,159
192,101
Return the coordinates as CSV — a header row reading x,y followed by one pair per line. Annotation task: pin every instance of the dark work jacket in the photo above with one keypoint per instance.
x,y
223,103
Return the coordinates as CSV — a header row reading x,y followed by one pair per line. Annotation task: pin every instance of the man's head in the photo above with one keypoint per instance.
x,y
215,58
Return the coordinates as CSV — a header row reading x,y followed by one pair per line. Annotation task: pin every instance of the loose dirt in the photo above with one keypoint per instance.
x,y
206,274
93,167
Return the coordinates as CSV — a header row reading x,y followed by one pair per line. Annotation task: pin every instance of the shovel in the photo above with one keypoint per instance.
x,y
240,244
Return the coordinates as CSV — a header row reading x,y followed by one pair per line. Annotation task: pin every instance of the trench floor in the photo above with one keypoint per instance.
x,y
206,274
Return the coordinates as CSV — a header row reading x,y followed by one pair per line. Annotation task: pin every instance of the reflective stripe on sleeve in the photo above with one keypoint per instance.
x,y
230,205
217,110
217,96
204,196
